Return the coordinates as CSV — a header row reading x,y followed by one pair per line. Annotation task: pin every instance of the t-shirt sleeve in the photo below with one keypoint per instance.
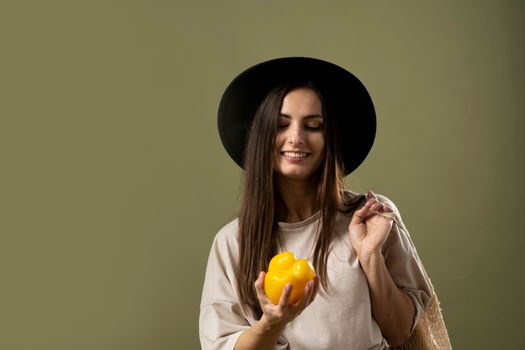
x,y
220,325
405,267
221,318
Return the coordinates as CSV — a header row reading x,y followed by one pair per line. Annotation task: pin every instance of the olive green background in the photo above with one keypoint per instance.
x,y
113,181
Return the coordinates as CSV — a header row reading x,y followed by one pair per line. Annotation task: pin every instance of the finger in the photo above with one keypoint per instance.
x,y
361,214
309,292
285,295
370,195
259,289
386,207
382,208
305,300
259,282
382,211
377,206
315,290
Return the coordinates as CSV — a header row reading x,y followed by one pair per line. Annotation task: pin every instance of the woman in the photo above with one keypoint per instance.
x,y
297,126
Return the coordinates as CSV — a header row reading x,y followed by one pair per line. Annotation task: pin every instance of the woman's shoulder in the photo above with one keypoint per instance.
x,y
386,200
229,228
356,199
352,198
228,234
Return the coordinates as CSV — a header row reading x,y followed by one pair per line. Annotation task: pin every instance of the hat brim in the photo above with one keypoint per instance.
x,y
346,100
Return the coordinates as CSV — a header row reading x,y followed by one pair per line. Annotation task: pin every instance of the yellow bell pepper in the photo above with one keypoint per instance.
x,y
286,268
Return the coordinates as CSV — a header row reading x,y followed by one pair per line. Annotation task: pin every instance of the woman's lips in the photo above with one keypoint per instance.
x,y
295,156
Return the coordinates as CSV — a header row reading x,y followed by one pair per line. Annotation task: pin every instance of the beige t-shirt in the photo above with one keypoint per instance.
x,y
339,319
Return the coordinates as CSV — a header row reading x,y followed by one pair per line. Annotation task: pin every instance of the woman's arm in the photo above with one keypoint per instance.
x,y
392,309
261,336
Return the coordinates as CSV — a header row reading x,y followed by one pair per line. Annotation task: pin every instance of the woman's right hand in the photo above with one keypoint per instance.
x,y
265,333
277,316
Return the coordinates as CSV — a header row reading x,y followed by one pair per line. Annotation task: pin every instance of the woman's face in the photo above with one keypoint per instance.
x,y
300,140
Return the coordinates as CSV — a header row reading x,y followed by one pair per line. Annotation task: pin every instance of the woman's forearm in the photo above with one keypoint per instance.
x,y
261,336
392,309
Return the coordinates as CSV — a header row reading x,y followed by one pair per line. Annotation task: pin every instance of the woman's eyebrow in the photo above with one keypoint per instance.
x,y
311,116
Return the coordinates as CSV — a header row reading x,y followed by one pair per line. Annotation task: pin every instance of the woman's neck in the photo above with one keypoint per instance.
x,y
298,199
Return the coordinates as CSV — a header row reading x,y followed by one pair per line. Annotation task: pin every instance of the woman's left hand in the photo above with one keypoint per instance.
x,y
368,228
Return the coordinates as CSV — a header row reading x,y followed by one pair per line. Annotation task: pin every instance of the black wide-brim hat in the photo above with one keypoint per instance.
x,y
345,98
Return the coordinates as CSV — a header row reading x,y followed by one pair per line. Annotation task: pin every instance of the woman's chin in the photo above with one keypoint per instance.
x,y
294,175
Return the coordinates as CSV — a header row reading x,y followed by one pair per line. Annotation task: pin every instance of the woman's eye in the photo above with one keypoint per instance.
x,y
314,126
282,126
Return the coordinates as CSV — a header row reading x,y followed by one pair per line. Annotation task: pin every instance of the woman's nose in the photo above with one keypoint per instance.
x,y
295,136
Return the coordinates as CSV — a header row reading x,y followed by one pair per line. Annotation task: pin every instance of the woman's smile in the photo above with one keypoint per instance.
x,y
294,155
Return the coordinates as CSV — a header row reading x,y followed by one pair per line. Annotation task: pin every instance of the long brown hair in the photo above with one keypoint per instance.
x,y
258,241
